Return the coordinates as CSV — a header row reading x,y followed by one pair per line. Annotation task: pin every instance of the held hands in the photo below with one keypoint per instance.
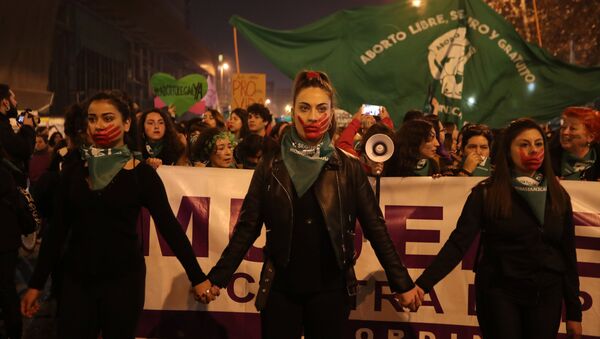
x,y
574,329
205,292
154,162
30,304
411,299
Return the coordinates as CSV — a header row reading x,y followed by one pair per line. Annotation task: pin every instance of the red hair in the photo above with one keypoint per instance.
x,y
589,117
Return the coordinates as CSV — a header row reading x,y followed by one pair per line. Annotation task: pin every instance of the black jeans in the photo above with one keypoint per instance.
x,y
519,309
9,300
111,306
322,315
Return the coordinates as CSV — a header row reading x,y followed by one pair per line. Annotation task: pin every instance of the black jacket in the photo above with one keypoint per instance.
x,y
18,146
517,248
11,212
343,193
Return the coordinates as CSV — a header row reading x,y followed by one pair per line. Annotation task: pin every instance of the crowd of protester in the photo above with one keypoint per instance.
x,y
423,146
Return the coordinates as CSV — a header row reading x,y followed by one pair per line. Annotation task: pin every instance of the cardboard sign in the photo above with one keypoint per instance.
x,y
248,88
182,93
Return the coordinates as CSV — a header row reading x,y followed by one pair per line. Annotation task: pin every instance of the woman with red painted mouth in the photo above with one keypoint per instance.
x,y
160,142
94,235
526,262
309,196
415,151
575,155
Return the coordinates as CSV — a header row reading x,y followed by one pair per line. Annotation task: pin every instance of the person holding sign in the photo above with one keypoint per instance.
x,y
526,264
309,195
98,203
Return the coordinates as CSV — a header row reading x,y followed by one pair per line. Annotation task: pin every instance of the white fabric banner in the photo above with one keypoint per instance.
x,y
420,214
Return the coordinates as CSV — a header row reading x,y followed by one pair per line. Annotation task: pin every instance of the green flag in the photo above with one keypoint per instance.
x,y
478,67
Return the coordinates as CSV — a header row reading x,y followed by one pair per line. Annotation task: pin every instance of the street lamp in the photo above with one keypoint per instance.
x,y
267,102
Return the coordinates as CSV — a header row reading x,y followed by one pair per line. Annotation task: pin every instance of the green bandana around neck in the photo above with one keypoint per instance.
x,y
422,168
154,148
484,170
572,167
304,162
105,163
534,191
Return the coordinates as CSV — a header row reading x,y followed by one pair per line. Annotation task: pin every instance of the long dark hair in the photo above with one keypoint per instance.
x,y
243,115
123,105
173,149
407,141
218,116
498,199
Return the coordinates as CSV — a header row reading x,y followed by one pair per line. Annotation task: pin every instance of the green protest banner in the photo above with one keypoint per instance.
x,y
182,93
472,59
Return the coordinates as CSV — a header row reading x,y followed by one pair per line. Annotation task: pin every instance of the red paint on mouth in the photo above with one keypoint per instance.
x,y
106,136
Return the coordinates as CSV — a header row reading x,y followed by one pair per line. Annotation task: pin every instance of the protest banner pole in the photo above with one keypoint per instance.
x,y
537,23
235,47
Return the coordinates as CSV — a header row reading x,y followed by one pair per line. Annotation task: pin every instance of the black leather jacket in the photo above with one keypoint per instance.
x,y
343,193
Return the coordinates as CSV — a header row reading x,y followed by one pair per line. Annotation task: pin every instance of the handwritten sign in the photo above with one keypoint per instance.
x,y
248,88
182,93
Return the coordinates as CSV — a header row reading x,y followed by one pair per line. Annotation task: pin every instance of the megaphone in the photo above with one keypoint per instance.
x,y
379,147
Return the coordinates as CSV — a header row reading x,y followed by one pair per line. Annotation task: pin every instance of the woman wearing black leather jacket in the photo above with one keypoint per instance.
x,y
309,196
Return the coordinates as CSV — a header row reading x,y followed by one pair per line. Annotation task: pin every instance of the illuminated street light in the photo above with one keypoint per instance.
x,y
416,3
267,102
288,108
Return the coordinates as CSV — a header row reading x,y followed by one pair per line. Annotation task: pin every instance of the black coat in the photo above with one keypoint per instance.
x,y
517,248
343,193
10,212
18,146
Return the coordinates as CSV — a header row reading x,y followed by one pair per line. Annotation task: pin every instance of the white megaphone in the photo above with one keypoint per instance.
x,y
379,147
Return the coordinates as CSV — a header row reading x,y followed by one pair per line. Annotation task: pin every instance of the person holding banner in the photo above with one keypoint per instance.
x,y
575,156
98,203
309,195
526,263
159,140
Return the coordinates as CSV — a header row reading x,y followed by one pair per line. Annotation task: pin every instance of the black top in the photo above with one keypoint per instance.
x,y
515,249
18,146
102,226
312,266
10,230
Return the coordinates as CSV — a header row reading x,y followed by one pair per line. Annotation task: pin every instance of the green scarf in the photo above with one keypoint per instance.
x,y
484,170
422,168
154,148
105,163
304,162
572,167
533,190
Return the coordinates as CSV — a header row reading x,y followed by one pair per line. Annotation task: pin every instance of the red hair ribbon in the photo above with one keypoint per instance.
x,y
312,74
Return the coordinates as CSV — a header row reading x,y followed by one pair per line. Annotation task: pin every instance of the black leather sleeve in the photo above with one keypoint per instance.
x,y
246,230
373,225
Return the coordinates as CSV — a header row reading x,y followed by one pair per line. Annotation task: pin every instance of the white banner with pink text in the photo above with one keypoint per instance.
x,y
420,214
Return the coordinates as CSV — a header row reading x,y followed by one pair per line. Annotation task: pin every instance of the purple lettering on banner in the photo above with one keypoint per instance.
x,y
358,240
254,254
195,208
396,217
143,229
231,288
379,296
587,269
471,303
435,302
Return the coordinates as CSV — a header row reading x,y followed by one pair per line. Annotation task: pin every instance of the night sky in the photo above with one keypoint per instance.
x,y
210,22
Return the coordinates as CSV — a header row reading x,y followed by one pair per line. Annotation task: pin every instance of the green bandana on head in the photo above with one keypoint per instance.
x,y
154,148
534,191
304,162
422,168
572,167
105,163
